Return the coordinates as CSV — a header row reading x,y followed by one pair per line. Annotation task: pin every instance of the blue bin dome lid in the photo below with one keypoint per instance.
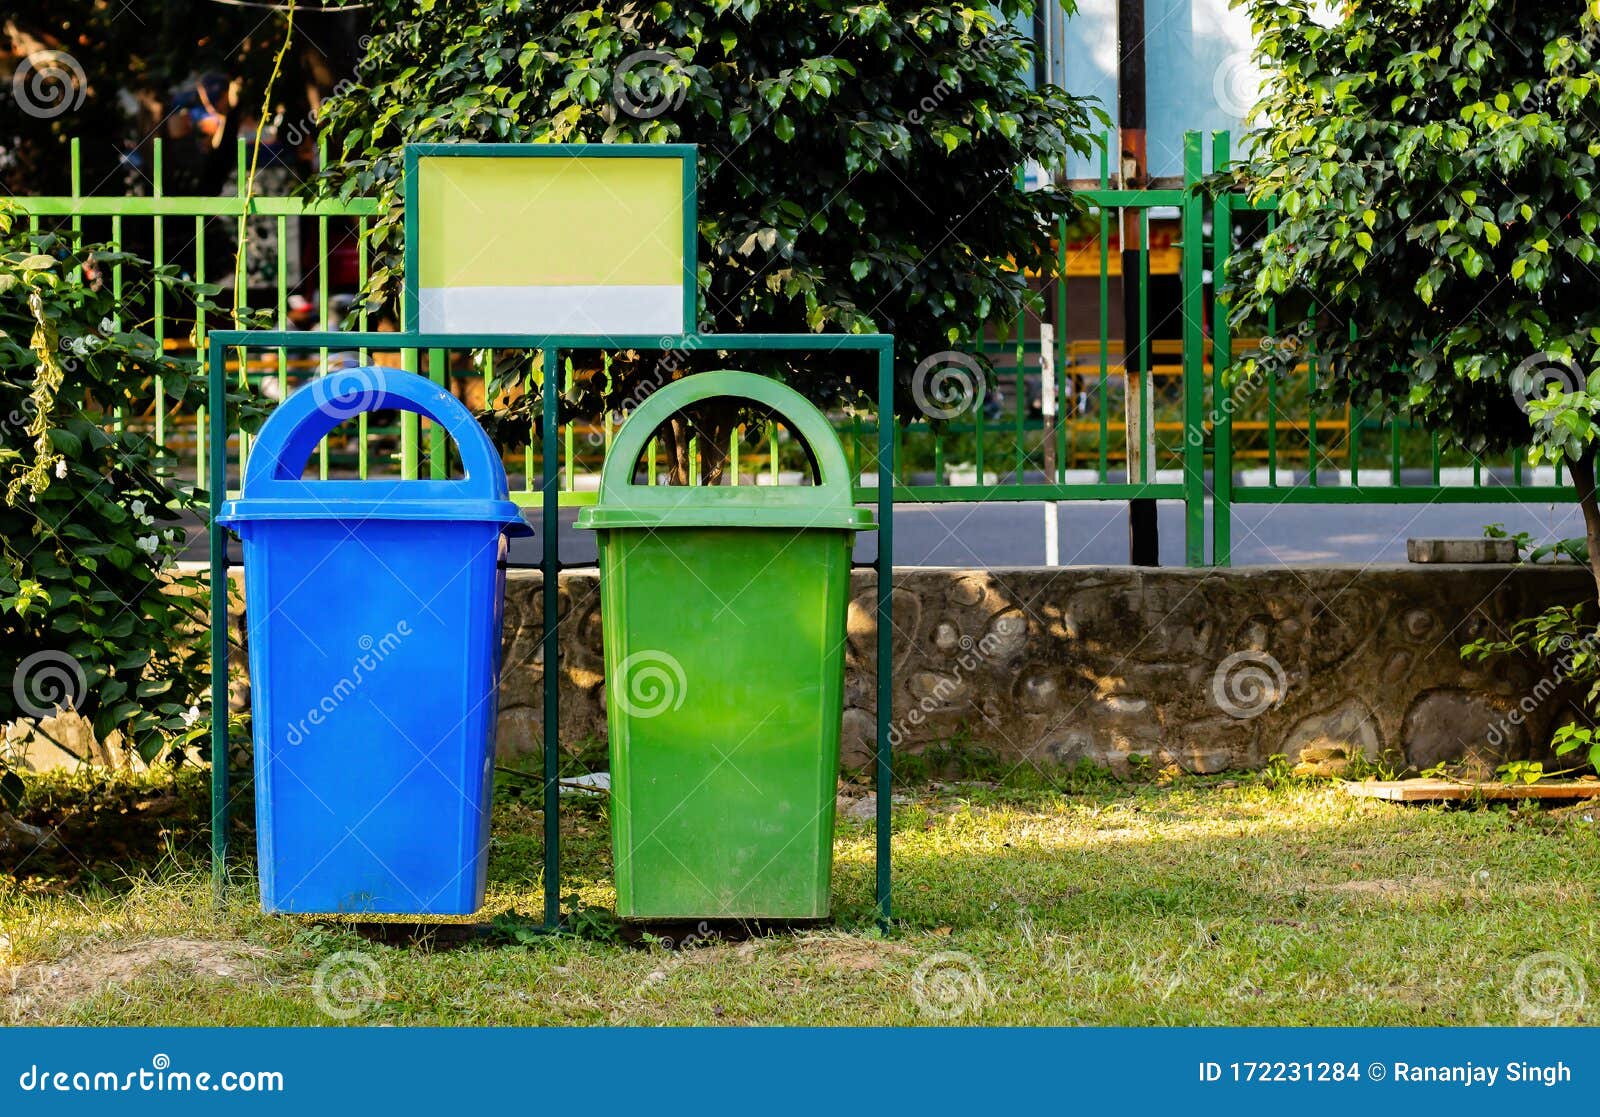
x,y
274,489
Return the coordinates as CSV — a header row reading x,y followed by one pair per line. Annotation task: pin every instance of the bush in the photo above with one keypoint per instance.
x,y
92,615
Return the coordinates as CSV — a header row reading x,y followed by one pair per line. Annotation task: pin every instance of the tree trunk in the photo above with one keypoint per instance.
x,y
1582,470
711,427
714,426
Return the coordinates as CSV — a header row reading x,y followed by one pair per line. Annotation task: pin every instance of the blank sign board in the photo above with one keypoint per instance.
x,y
560,239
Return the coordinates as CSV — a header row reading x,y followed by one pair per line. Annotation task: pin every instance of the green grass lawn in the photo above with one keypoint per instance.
x,y
1192,901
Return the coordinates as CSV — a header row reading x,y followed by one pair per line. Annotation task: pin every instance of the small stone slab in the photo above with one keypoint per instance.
x,y
1474,550
1438,791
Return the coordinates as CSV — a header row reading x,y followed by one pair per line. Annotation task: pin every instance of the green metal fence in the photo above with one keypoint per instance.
x,y
1207,441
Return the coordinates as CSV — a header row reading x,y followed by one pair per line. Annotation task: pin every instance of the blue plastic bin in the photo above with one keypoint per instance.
x,y
373,610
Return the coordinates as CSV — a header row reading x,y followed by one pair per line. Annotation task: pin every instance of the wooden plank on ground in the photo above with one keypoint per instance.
x,y
1436,791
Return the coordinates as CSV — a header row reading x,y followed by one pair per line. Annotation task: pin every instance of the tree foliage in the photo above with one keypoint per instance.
x,y
1433,164
857,160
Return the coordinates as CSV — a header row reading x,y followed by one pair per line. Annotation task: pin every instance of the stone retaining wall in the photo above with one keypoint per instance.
x,y
1209,669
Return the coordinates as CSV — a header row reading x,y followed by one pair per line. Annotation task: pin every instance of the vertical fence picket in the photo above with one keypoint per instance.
x,y
202,349
324,312
362,356
158,297
1105,306
1193,448
119,413
1147,408
1021,409
1066,407
1313,451
1222,403
241,285
75,155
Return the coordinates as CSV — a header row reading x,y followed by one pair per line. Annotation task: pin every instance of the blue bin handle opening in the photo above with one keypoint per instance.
x,y
291,433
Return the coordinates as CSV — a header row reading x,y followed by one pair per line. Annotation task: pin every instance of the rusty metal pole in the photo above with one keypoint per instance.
x,y
1143,539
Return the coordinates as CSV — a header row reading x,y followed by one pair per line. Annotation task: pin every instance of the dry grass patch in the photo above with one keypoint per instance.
x,y
41,991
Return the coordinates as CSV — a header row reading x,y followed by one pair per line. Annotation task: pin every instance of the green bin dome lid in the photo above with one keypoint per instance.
x,y
827,505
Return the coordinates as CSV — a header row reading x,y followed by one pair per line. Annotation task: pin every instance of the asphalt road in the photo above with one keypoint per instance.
x,y
1094,533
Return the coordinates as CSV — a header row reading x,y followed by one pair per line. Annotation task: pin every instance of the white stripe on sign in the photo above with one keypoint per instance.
x,y
646,309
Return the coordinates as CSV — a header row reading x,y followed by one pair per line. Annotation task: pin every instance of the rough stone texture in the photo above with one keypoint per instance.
x,y
64,740
1479,549
1333,736
1455,724
1207,669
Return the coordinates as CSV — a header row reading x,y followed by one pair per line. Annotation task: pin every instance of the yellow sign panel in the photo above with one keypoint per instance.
x,y
537,238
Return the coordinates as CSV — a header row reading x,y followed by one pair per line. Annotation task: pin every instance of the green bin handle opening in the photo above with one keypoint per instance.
x,y
801,415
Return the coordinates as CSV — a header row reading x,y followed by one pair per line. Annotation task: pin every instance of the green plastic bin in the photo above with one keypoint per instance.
x,y
724,626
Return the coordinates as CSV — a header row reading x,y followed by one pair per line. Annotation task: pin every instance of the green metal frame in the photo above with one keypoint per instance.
x,y
550,565
684,153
